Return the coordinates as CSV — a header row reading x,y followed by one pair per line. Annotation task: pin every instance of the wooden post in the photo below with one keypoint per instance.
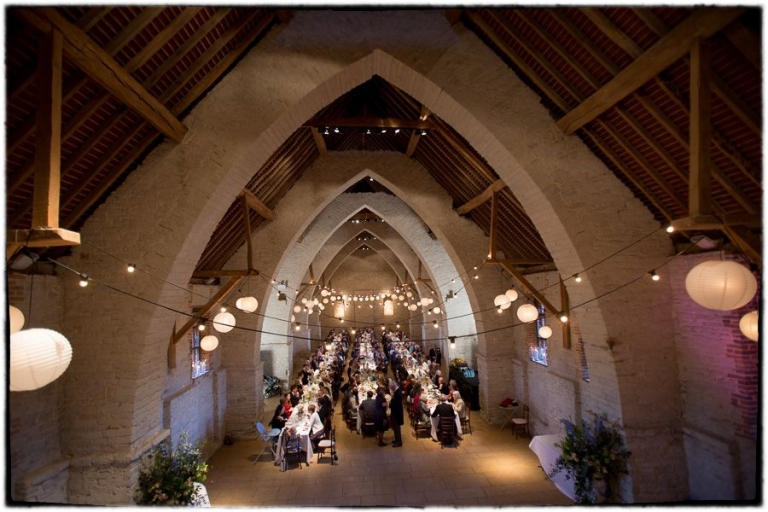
x,y
699,196
566,306
247,223
494,229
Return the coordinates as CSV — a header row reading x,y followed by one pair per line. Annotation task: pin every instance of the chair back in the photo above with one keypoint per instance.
x,y
261,429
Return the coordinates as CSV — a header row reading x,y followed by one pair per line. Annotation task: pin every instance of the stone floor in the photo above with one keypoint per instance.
x,y
488,468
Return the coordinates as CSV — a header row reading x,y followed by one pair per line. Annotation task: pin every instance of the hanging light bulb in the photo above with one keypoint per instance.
x,y
670,229
527,313
247,304
131,268
83,280
224,322
577,278
201,326
564,319
298,326
435,324
654,275
545,331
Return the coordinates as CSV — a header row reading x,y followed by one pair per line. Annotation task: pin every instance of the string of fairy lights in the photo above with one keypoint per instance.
x,y
428,304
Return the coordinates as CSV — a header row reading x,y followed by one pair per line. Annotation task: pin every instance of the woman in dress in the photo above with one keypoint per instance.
x,y
380,415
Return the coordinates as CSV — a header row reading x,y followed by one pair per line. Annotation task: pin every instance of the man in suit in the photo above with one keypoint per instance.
x,y
396,414
444,409
367,407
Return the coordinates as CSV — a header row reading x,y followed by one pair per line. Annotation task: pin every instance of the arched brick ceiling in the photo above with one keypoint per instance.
x,y
573,57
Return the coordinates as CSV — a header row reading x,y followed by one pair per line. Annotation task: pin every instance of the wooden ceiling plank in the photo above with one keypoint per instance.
x,y
103,69
133,28
519,62
606,150
92,17
494,228
591,48
673,46
247,226
190,43
221,67
220,42
641,160
206,310
750,116
162,38
481,198
749,244
319,141
613,32
46,195
746,42
540,59
258,205
42,237
699,186
559,48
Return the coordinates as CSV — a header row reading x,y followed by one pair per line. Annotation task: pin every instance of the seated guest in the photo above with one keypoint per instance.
x,y
367,407
288,406
316,429
443,409
442,386
325,408
296,393
278,419
458,405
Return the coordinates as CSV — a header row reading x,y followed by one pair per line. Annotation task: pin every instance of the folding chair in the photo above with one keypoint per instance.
x,y
328,444
466,426
521,424
269,439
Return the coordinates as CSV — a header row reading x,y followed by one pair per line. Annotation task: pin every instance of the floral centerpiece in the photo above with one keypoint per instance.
x,y
168,477
458,361
593,456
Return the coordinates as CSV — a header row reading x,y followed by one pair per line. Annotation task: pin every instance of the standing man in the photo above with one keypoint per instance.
x,y
396,414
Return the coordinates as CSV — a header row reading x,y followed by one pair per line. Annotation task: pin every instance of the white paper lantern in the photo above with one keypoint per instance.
x,y
297,309
749,325
320,307
545,331
324,292
527,313
224,322
436,310
721,285
511,295
249,304
413,307
401,298
38,357
303,300
209,343
424,301
502,301
409,294
325,300
17,319
430,300
293,318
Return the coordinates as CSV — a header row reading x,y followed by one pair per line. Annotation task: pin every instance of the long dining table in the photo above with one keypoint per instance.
x,y
435,420
300,421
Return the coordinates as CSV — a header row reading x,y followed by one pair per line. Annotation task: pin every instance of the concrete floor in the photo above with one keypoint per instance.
x,y
489,468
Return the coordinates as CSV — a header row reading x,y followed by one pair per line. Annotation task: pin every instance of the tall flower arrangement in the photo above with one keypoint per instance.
x,y
168,477
591,454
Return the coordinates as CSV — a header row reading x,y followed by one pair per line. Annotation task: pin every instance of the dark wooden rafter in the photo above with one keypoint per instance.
x,y
319,141
746,42
92,17
103,69
526,285
565,303
614,33
133,28
162,38
494,229
257,205
247,226
415,136
673,46
311,275
699,196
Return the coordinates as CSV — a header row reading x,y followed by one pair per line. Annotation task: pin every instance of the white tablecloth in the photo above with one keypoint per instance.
x,y
545,449
302,429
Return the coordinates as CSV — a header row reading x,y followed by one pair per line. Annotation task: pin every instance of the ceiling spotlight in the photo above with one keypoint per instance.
x,y
435,324
423,132
298,327
397,130
368,131
370,179
336,130
670,229
326,132
654,275
577,278
383,130
477,276
83,280
131,268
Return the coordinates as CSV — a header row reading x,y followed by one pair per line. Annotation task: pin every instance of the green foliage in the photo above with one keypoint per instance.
x,y
168,478
589,454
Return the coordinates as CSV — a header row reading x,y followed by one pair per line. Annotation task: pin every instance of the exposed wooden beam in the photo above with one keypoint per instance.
x,y
453,15
45,204
223,65
750,116
481,197
697,223
519,62
415,136
42,237
247,225
585,41
206,310
104,70
133,28
92,17
284,15
257,205
699,189
673,46
749,244
371,122
319,141
650,19
746,42
311,275
528,286
162,38
613,32
753,220
493,230
565,303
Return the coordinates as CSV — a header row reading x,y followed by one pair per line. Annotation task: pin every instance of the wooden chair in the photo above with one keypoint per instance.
x,y
466,425
420,426
521,424
328,444
446,432
291,447
368,427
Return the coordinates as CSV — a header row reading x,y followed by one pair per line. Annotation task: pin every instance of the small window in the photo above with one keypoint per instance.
x,y
538,348
201,360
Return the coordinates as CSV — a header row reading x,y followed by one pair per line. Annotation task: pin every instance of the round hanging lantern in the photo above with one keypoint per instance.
x,y
248,304
749,325
297,309
401,298
436,310
303,300
511,295
17,319
545,331
413,307
324,292
527,313
209,343
293,318
325,300
425,301
409,294
38,357
721,285
320,307
502,301
224,322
